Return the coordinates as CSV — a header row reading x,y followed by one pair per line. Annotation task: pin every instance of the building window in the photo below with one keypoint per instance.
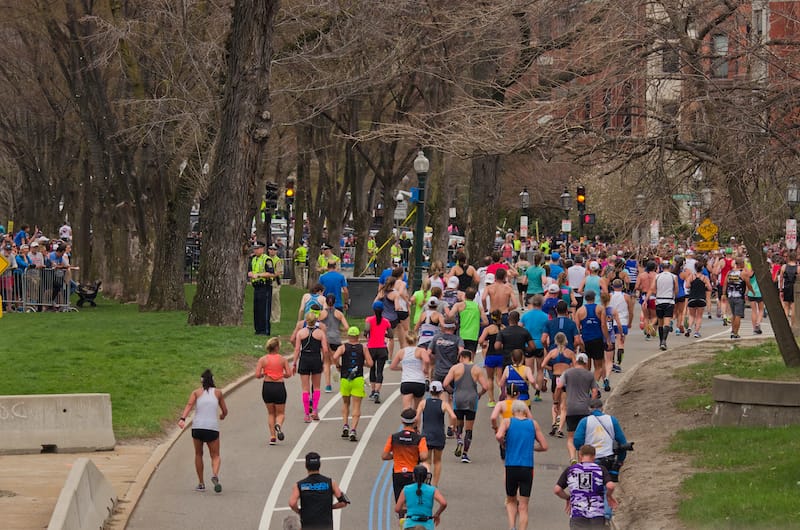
x,y
670,61
719,64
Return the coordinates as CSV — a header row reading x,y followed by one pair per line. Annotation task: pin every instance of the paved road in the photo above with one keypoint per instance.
x,y
257,478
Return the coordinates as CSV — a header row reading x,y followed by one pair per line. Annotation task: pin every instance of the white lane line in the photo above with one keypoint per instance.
x,y
280,478
349,471
343,457
339,418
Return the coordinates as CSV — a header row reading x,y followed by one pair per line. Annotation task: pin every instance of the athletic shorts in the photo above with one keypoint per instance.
x,y
651,304
493,361
333,347
578,300
573,420
379,353
352,387
465,414
665,310
504,319
273,392
415,389
309,364
519,481
594,349
737,306
697,303
756,299
400,481
402,315
522,288
680,299
788,294
624,329
471,345
205,435
537,352
394,323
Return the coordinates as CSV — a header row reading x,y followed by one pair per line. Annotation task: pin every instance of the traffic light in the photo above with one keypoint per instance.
x,y
580,197
289,192
271,197
588,218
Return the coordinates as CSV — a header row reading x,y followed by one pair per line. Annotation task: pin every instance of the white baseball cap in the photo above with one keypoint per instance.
x,y
489,278
594,266
553,288
452,282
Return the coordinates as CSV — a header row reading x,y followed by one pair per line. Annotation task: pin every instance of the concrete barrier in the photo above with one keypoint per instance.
x,y
754,402
55,423
86,500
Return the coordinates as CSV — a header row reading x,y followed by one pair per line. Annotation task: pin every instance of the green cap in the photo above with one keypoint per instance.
x,y
353,331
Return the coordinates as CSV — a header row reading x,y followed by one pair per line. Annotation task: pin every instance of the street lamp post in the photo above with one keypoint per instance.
x,y
524,205
639,205
566,205
421,166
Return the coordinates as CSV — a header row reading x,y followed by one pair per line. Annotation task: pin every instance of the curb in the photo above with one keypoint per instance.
x,y
127,503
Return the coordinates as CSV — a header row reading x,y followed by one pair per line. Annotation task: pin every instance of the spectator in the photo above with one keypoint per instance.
x,y
65,232
22,237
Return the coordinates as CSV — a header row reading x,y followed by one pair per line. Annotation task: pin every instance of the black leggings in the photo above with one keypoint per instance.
x,y
376,371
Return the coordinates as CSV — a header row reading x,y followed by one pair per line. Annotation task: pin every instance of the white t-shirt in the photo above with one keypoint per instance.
x,y
575,276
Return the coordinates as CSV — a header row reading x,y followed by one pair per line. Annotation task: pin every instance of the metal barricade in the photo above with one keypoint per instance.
x,y
36,290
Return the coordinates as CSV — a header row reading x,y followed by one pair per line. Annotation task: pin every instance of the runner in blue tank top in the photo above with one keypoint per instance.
x,y
594,332
519,433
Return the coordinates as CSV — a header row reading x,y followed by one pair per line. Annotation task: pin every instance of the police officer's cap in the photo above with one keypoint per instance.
x,y
259,244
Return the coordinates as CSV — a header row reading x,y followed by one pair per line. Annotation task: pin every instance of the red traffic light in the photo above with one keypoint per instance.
x,y
588,218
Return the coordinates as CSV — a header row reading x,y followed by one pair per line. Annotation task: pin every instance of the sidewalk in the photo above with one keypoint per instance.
x,y
30,484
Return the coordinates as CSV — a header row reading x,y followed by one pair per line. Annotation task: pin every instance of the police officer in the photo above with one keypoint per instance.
x,y
261,275
315,495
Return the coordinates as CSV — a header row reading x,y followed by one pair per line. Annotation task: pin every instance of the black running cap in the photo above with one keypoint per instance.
x,y
313,461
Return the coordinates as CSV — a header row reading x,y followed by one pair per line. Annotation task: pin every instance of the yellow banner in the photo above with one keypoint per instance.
x,y
706,246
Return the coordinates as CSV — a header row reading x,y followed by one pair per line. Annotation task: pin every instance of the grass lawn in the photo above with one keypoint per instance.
x,y
148,362
749,475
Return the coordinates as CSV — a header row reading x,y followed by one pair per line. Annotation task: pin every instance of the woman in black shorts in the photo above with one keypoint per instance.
x,y
307,361
412,360
699,289
273,368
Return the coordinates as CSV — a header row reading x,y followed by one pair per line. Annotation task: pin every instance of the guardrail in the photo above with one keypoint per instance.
x,y
36,290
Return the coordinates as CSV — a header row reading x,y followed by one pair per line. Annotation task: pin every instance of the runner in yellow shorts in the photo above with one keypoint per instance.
x,y
354,356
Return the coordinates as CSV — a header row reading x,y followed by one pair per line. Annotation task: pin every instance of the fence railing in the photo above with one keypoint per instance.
x,y
35,290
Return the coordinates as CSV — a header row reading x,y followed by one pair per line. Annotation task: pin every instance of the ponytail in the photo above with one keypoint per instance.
x,y
208,379
420,476
378,316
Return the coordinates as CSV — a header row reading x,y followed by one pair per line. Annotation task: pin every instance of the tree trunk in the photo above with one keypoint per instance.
x,y
245,127
781,327
482,211
166,284
438,207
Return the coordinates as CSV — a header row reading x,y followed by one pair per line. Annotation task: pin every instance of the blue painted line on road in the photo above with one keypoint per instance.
x,y
374,493
389,506
386,492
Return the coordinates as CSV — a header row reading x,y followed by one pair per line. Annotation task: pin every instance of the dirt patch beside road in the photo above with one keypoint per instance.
x,y
645,404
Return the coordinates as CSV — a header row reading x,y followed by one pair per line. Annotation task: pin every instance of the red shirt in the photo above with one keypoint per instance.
x,y
377,332
492,269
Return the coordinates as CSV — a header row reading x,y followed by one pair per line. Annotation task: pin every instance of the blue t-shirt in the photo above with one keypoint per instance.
x,y
333,282
555,270
535,321
519,443
421,505
22,234
565,325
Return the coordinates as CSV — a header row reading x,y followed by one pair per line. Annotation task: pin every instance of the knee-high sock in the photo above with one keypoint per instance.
x,y
316,400
467,439
306,401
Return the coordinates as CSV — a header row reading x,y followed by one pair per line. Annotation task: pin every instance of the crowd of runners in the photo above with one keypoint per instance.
x,y
509,330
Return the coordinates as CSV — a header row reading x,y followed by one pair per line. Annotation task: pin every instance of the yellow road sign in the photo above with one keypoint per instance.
x,y
707,229
706,246
3,264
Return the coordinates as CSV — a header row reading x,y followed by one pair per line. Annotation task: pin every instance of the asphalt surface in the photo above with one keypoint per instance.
x,y
257,478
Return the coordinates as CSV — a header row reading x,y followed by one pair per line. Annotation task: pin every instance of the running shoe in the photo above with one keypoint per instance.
x,y
307,418
345,431
696,334
560,434
734,336
491,404
709,316
606,385
315,416
377,397
537,397
279,431
724,321
353,435
328,389
757,330
200,487
459,448
450,432
688,332
217,485
553,429
273,441
465,459
663,346
678,333
573,462
617,369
